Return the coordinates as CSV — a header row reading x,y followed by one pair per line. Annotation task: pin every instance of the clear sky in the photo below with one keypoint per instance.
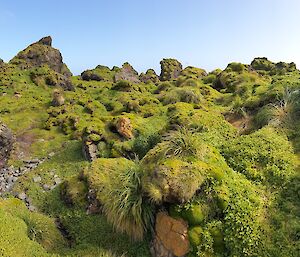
x,y
207,34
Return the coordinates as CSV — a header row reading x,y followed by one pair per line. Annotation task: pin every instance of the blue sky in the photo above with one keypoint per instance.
x,y
207,34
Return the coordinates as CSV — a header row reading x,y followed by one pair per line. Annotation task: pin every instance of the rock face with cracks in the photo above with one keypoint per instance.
x,y
171,237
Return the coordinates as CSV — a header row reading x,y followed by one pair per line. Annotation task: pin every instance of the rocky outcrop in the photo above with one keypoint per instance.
x,y
124,127
100,73
6,144
128,73
39,54
171,237
193,72
263,64
149,76
170,69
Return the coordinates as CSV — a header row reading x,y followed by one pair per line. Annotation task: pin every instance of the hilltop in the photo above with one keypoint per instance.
x,y
117,163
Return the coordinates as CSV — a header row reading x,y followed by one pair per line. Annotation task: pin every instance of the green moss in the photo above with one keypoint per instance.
x,y
195,215
74,192
265,155
36,234
195,235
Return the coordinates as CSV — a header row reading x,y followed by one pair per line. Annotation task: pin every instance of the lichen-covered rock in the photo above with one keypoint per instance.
x,y
6,143
124,127
171,237
170,69
39,54
127,72
149,76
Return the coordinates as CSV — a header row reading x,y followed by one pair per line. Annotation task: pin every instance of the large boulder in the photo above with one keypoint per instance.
x,y
171,237
170,69
39,54
6,144
127,72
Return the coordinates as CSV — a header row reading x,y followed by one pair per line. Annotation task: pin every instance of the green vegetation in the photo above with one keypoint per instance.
x,y
219,150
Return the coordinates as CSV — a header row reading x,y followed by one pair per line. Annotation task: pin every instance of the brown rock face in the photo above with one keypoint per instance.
x,y
124,127
6,144
39,54
171,237
127,72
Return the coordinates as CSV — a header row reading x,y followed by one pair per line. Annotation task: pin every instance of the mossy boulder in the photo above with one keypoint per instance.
x,y
173,180
39,54
74,192
100,73
262,63
193,72
170,69
149,77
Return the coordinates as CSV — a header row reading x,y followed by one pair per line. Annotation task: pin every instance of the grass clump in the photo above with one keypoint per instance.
x,y
118,187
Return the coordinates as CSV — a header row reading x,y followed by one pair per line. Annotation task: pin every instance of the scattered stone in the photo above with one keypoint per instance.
x,y
57,181
46,187
37,179
22,196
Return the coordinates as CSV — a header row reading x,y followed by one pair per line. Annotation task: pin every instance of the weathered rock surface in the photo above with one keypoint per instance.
x,y
6,144
170,69
124,127
39,54
90,150
127,72
171,237
149,76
